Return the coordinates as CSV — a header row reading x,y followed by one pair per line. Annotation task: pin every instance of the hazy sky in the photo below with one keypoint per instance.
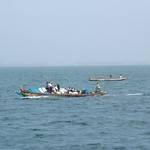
x,y
74,32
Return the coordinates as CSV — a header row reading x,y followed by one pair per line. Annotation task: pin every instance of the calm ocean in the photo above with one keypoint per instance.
x,y
119,120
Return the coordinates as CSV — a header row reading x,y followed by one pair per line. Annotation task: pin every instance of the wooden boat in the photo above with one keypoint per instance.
x,y
27,93
107,79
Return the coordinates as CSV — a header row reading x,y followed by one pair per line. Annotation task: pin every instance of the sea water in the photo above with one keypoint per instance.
x,y
119,120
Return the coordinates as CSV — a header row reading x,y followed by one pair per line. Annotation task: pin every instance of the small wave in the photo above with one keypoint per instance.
x,y
39,135
135,94
147,133
146,94
67,122
113,95
35,129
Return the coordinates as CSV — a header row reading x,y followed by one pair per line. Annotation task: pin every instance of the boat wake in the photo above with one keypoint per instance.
x,y
130,94
34,97
135,94
41,97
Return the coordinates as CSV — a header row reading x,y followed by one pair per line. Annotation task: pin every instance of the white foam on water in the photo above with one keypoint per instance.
x,y
135,94
34,97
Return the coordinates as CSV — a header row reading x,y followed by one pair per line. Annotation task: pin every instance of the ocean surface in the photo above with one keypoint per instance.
x,y
119,120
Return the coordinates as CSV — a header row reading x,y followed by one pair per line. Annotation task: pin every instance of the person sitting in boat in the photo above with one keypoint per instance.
x,y
120,76
97,89
70,90
49,87
55,89
48,84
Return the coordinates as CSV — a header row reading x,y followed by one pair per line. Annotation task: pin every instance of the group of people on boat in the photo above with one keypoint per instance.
x,y
51,88
71,90
120,76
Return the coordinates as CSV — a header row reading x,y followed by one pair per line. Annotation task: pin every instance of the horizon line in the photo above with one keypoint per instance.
x,y
77,64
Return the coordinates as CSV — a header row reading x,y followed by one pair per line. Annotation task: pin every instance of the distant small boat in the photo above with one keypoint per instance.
x,y
107,79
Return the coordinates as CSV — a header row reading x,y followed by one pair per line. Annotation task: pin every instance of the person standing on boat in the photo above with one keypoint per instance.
x,y
58,86
120,76
98,88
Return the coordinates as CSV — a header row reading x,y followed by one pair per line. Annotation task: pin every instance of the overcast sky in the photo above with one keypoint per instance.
x,y
74,32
